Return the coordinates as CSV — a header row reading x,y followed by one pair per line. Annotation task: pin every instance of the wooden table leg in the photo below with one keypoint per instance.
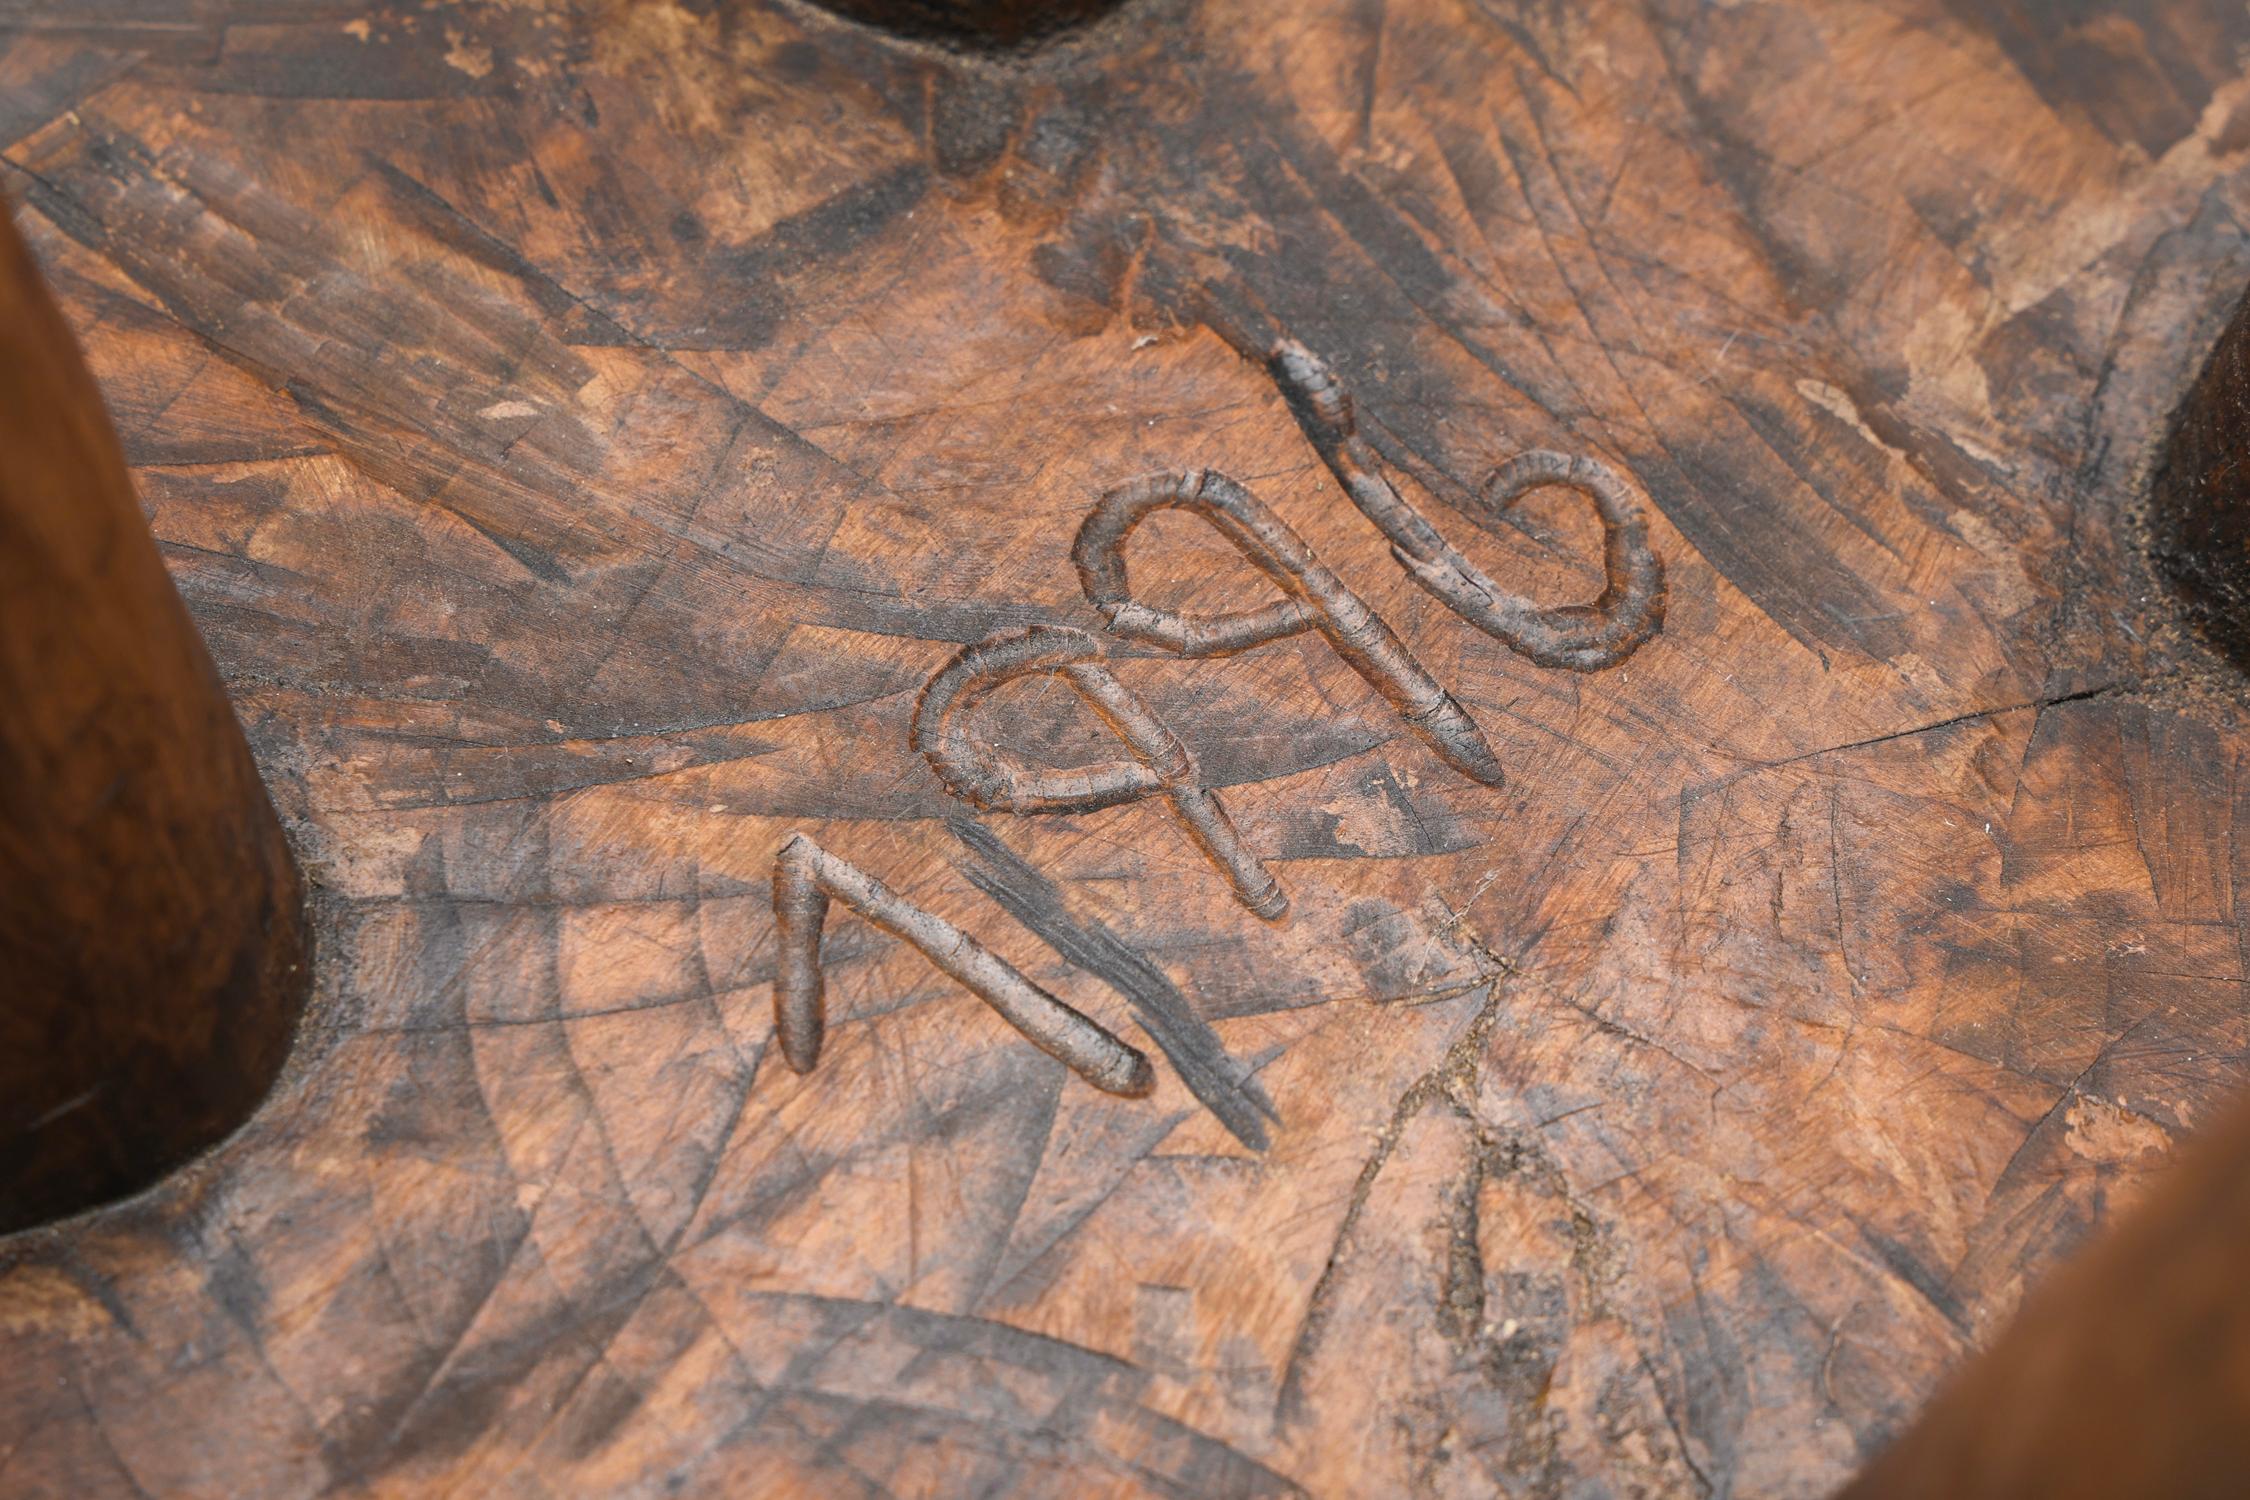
x,y
2127,1373
984,24
152,942
2199,506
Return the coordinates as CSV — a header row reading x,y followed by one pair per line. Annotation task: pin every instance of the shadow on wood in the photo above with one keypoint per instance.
x,y
2199,509
995,25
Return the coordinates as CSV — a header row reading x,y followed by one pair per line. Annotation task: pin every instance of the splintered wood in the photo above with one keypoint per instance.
x,y
1529,613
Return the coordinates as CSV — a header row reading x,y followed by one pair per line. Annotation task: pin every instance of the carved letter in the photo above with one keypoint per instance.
x,y
1162,766
1582,637
1313,598
805,876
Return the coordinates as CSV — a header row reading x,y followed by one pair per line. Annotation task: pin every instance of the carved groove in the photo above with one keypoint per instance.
x,y
805,876
1579,637
1314,598
1163,766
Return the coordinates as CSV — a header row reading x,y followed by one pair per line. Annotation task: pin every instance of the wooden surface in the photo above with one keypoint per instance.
x,y
582,430
152,938
2127,1373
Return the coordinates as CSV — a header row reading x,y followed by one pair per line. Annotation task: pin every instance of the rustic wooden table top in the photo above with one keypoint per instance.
x,y
582,429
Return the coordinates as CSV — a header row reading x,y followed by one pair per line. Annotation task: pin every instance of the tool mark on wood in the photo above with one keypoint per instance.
x,y
1579,637
984,777
1314,598
1227,1086
805,876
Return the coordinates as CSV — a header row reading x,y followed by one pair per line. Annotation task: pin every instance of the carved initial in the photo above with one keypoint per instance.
x,y
1162,767
806,875
1581,637
1313,598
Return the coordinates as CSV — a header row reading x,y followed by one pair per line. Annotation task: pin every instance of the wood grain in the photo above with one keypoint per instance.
x,y
582,429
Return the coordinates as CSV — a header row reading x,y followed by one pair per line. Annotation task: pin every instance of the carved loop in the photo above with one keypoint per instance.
x,y
1257,534
1579,637
987,779
1313,598
1002,783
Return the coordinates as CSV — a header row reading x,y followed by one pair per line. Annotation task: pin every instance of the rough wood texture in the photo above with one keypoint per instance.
x,y
2127,1374
583,429
152,959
